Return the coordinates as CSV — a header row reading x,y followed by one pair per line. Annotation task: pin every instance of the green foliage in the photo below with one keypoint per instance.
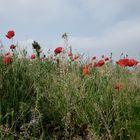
x,y
37,48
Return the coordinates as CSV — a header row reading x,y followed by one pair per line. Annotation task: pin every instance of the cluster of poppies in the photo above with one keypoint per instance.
x,y
7,57
95,63
126,62
101,62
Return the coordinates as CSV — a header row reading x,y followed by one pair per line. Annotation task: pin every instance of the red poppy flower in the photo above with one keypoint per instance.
x,y
33,56
7,60
10,34
85,71
76,57
127,62
58,50
70,56
100,63
132,62
106,59
123,62
12,47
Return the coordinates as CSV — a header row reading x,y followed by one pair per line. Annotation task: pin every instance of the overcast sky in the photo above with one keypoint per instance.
x,y
95,27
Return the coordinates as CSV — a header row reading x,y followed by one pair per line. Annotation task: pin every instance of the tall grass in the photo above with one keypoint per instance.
x,y
50,100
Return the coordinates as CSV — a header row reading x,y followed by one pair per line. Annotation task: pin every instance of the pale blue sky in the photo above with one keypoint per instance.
x,y
95,27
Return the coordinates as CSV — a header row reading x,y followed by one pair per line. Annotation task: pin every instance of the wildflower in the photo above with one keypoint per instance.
x,y
58,50
10,34
123,62
76,57
106,59
86,69
132,62
33,56
7,60
100,63
127,62
12,47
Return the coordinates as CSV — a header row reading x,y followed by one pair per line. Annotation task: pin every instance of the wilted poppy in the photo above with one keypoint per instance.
x,y
58,50
10,34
